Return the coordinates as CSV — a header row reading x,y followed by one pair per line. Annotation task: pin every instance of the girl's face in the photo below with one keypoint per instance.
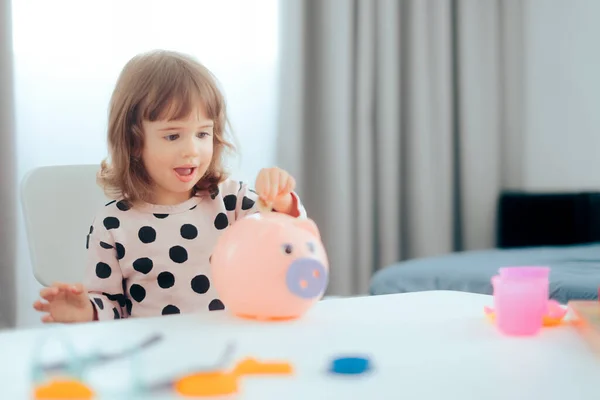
x,y
176,155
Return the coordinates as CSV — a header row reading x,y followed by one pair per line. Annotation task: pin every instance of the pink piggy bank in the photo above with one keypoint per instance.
x,y
270,266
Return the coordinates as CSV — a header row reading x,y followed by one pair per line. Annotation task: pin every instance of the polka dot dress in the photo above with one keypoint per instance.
x,y
155,260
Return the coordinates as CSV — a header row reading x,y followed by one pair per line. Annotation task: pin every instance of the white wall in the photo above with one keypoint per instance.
x,y
563,95
68,54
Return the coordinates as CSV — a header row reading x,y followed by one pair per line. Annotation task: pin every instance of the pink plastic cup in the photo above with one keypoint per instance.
x,y
528,272
520,305
524,272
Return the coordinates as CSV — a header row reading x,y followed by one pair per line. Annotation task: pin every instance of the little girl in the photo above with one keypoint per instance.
x,y
150,248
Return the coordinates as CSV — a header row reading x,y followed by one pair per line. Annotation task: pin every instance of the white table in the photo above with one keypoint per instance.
x,y
429,345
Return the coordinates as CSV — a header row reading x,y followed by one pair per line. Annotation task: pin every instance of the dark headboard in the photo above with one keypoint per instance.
x,y
546,219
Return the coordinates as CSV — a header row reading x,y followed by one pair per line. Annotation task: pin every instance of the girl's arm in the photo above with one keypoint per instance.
x,y
103,276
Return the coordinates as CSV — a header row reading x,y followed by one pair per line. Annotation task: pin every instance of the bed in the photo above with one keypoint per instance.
x,y
561,231
575,271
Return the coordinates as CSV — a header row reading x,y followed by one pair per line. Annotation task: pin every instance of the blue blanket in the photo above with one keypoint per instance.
x,y
575,271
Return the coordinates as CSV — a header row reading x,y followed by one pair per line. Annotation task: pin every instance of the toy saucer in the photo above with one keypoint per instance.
x,y
554,316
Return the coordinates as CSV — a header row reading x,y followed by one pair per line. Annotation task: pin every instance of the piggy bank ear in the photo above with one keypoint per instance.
x,y
309,225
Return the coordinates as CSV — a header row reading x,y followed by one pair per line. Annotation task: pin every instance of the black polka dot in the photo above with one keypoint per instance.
x,y
161,216
216,305
143,265
178,254
129,306
147,234
210,259
247,203
214,192
166,280
120,251
137,292
241,186
99,303
103,270
189,231
91,229
116,313
105,245
111,223
200,284
87,242
120,297
110,202
230,201
170,309
221,222
123,205
193,207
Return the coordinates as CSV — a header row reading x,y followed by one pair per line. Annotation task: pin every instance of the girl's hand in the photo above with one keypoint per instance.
x,y
65,303
274,186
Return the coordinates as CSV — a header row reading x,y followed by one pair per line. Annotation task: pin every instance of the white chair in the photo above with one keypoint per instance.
x,y
59,204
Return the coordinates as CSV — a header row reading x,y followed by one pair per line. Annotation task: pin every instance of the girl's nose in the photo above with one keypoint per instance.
x,y
190,148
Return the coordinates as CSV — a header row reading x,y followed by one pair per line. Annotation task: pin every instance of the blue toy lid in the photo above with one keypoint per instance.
x,y
350,365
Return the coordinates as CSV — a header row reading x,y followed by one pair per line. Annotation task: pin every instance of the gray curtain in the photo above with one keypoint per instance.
x,y
401,121
8,189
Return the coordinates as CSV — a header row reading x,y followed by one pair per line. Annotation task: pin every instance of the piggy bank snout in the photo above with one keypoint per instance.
x,y
307,278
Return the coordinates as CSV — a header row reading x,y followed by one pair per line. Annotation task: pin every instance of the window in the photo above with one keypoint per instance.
x,y
68,54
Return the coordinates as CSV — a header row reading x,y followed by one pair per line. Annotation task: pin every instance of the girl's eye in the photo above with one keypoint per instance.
x,y
287,248
172,137
203,134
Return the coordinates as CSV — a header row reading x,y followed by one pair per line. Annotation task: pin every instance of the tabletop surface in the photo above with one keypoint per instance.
x,y
425,345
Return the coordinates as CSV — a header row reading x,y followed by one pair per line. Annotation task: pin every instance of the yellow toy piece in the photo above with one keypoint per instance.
x,y
219,383
207,384
63,389
250,366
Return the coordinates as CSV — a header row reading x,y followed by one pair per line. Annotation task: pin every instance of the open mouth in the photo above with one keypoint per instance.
x,y
185,174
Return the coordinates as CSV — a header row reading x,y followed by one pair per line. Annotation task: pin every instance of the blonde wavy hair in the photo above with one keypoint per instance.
x,y
153,86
